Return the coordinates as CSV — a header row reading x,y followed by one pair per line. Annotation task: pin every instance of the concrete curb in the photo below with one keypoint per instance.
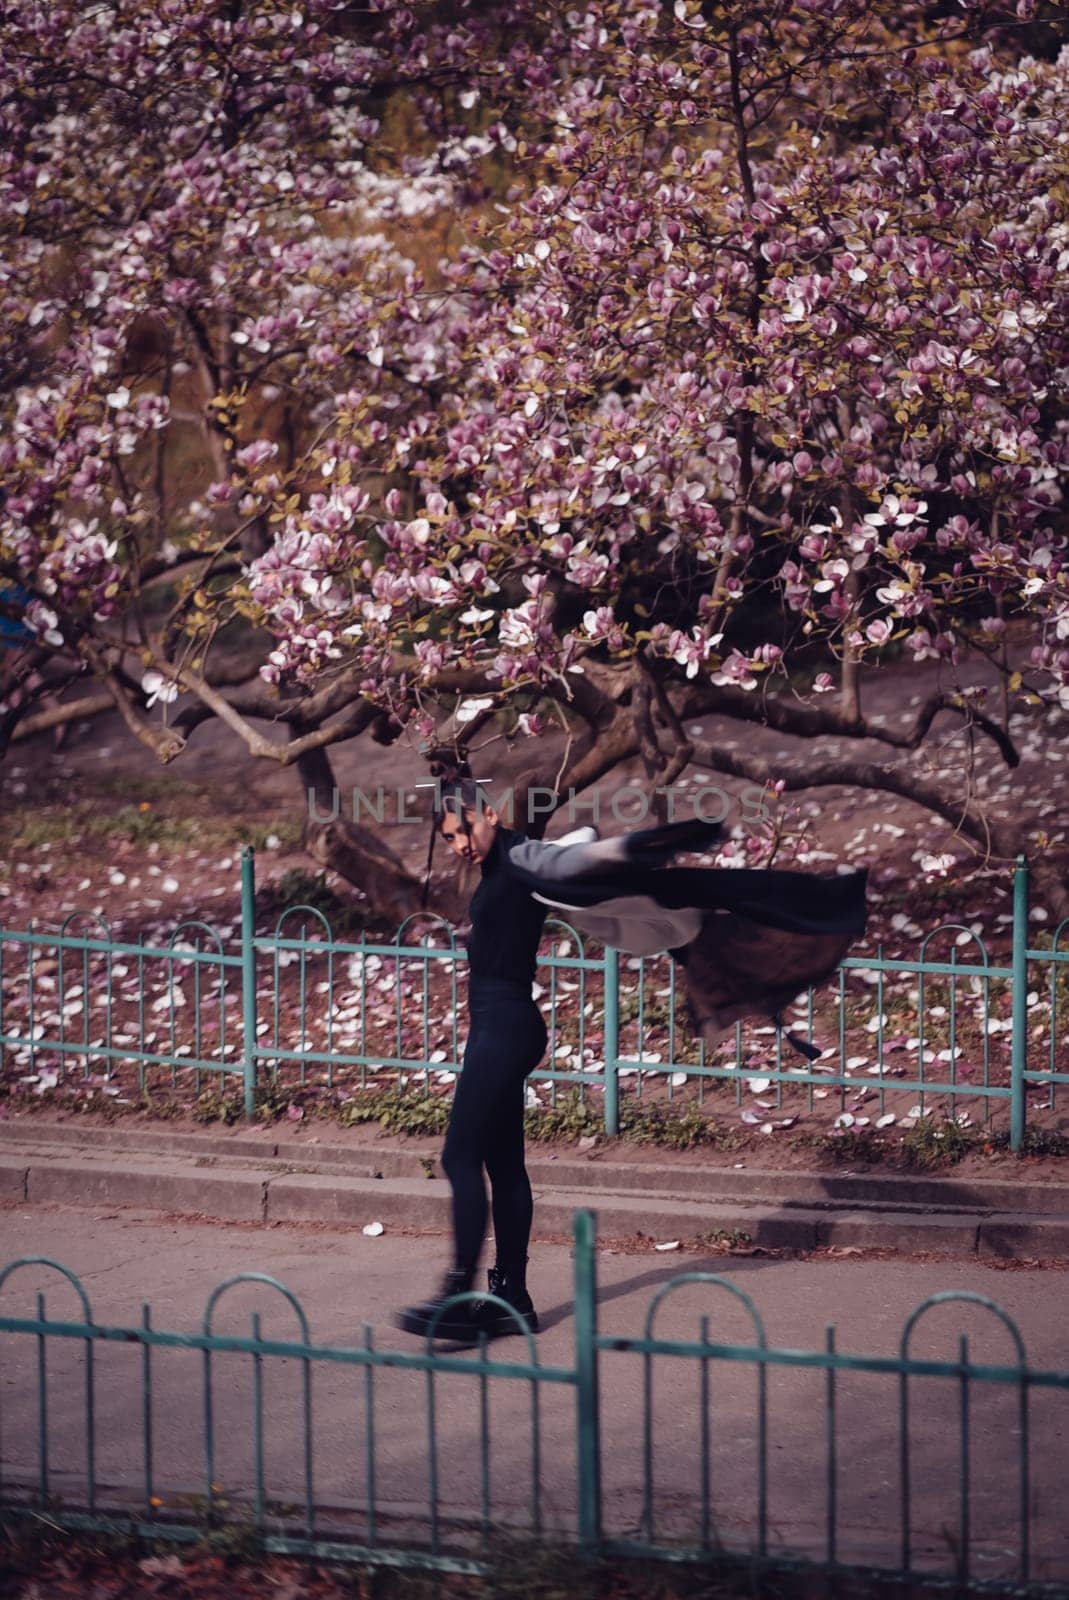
x,y
158,1186
267,1192
599,1170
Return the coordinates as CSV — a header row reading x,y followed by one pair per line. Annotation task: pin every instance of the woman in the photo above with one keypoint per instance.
x,y
506,1041
749,940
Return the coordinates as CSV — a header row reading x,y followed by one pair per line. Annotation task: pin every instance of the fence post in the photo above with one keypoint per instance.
x,y
612,1041
248,977
587,1415
1019,1000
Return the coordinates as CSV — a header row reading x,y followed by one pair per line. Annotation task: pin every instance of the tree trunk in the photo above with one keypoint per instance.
x,y
353,851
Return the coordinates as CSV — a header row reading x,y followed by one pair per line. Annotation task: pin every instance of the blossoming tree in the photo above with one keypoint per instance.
x,y
746,365
204,209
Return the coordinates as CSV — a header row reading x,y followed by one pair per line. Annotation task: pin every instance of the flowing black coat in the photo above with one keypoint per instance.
x,y
750,940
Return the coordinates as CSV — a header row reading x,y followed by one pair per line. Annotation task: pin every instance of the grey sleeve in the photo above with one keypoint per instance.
x,y
556,863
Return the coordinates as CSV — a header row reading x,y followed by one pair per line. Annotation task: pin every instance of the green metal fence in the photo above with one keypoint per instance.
x,y
974,1475
292,1004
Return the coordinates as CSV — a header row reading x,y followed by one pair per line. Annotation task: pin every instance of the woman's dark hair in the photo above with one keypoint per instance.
x,y
456,794
456,791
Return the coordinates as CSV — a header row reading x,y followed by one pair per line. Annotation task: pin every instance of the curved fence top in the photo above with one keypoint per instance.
x,y
56,1266
717,1280
969,1297
254,1277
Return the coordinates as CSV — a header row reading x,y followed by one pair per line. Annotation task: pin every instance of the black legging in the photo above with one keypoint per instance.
x,y
506,1041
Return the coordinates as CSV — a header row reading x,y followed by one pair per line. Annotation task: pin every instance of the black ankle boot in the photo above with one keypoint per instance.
x,y
509,1285
456,1324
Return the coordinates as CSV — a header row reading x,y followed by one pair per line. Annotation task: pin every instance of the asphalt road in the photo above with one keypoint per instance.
x,y
346,1280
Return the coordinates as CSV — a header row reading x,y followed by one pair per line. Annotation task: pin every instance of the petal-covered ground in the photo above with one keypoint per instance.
x,y
98,842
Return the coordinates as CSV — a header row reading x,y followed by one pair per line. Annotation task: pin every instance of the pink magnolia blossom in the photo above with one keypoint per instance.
x,y
658,387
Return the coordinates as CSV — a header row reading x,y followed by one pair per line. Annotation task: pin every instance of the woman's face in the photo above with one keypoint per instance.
x,y
476,844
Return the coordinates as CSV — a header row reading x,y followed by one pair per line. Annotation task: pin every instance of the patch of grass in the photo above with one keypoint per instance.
x,y
152,812
225,1102
407,1108
571,1118
42,827
1036,1142
218,1104
273,1099
146,826
130,822
160,1110
926,1145
723,1239
674,1126
858,1146
398,1111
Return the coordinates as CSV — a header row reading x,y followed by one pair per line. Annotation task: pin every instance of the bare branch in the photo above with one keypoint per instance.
x,y
684,749
809,722
164,743
73,711
862,775
158,570
258,744
653,756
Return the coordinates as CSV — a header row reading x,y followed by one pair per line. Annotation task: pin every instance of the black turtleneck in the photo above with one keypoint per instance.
x,y
506,921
